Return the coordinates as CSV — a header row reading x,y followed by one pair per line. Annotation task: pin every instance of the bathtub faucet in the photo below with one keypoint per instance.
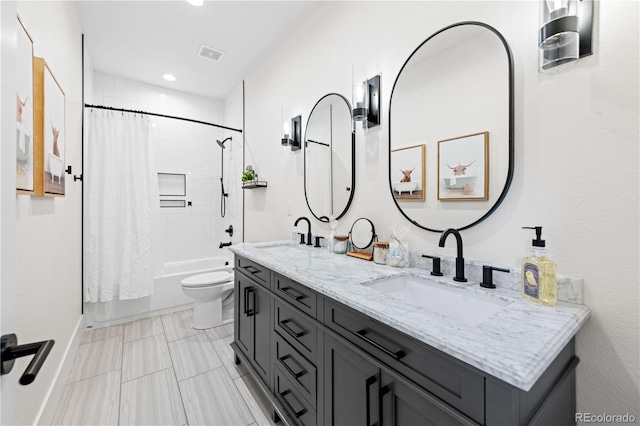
x,y
225,244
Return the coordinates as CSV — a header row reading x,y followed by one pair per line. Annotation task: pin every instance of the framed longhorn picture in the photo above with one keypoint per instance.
x,y
463,167
50,131
408,173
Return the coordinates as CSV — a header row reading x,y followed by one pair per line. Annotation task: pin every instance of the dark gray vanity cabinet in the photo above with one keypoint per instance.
x,y
320,362
351,386
252,331
359,390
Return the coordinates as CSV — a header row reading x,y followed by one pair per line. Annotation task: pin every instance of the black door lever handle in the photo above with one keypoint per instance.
x,y
11,350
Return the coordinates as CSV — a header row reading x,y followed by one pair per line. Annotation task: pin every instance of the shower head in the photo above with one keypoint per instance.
x,y
223,142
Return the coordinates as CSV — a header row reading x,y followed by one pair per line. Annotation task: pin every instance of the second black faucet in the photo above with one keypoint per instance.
x,y
459,258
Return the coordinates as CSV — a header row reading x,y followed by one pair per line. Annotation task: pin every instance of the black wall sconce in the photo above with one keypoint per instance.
x,y
566,28
366,102
292,133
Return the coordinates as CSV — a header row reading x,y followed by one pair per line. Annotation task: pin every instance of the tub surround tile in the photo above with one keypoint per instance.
x,y
94,334
515,345
96,358
143,328
212,399
193,355
178,325
80,406
145,356
223,348
152,400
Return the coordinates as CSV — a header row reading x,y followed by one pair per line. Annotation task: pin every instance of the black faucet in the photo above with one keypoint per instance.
x,y
459,259
308,228
225,244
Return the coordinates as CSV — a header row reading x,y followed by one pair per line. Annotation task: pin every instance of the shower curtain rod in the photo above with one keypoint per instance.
x,y
161,115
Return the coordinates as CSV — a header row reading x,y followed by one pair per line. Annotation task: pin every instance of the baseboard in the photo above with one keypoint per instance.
x,y
48,408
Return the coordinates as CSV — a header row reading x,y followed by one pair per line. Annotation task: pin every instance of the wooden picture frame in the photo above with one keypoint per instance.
x,y
25,164
408,171
463,168
50,131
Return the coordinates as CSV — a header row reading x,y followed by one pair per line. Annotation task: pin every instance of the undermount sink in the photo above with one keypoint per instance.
x,y
456,303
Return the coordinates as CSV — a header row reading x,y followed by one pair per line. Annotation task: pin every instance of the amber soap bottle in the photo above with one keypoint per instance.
x,y
538,282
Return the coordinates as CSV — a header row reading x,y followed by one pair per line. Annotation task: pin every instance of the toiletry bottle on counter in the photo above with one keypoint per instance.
x,y
538,273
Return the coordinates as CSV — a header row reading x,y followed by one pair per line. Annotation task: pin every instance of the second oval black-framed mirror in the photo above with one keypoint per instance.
x,y
451,128
329,158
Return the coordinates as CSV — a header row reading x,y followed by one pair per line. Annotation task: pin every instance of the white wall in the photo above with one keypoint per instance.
x,y
48,254
8,81
576,168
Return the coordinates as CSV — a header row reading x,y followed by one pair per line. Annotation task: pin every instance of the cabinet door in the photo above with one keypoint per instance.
x,y
351,386
260,309
243,319
404,404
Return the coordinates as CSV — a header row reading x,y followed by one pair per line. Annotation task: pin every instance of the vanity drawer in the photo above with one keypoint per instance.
x,y
297,407
297,329
255,271
300,296
300,372
438,373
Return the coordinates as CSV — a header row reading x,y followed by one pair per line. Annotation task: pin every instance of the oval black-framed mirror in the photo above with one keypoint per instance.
x,y
451,128
329,158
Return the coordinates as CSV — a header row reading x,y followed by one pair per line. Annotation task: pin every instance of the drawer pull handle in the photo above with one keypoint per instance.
x,y
386,390
395,355
296,375
252,270
296,414
246,300
288,329
370,381
251,311
290,292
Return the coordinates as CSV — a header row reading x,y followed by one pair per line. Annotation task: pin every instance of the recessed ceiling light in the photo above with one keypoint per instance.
x,y
196,2
169,77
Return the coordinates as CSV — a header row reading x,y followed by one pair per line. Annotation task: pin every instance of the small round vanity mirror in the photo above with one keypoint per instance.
x,y
451,128
362,233
329,158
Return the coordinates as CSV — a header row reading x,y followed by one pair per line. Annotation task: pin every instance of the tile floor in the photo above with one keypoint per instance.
x,y
160,371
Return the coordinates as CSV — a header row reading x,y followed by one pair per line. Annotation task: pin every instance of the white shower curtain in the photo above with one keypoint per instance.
x,y
121,191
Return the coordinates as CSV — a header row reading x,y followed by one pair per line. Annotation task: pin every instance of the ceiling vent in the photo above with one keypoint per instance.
x,y
210,53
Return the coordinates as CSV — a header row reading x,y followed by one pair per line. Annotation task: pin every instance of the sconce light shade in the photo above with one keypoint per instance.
x,y
565,33
286,133
296,133
366,102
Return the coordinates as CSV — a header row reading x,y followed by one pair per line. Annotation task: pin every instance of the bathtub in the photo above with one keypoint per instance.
x,y
167,294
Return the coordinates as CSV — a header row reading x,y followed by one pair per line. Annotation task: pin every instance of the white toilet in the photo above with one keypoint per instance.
x,y
209,291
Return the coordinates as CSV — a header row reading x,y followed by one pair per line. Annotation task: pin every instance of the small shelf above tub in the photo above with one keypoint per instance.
x,y
254,184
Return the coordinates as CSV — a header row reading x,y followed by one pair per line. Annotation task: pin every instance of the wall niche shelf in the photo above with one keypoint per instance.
x,y
254,184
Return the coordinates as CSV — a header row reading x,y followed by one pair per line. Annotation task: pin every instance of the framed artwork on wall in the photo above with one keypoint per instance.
x,y
463,167
50,131
25,175
408,173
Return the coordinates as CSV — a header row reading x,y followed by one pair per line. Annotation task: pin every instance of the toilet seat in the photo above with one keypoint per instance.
x,y
208,279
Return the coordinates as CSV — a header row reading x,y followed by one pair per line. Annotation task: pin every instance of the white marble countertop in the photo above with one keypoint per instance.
x,y
516,345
